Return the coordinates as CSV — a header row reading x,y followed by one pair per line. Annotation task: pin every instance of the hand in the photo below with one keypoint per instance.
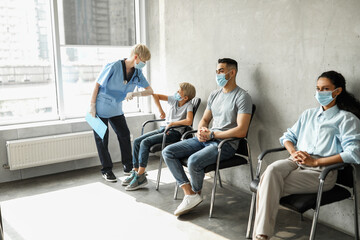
x,y
167,127
203,134
92,110
129,96
304,158
162,115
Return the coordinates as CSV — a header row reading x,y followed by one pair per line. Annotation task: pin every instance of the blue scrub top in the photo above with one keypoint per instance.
x,y
113,90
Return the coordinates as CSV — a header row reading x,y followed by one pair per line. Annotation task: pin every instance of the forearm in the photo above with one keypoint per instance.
x,y
328,160
290,147
147,92
182,122
202,124
237,132
95,93
157,102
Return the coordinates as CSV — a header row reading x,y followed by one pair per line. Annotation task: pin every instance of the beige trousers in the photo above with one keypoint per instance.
x,y
282,178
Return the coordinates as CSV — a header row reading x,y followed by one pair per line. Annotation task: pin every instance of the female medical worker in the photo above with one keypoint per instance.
x,y
322,136
115,83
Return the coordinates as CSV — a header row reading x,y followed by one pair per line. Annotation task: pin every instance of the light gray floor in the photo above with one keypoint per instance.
x,y
81,205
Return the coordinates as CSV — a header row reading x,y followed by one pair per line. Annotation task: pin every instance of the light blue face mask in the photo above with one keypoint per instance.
x,y
221,80
324,97
177,96
139,65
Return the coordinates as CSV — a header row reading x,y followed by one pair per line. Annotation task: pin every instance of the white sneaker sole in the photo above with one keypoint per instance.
x,y
125,183
137,187
187,210
109,180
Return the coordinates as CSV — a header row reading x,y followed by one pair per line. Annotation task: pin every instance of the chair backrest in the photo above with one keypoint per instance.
x,y
196,103
242,148
345,176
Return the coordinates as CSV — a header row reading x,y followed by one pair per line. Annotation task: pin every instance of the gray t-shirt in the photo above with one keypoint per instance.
x,y
176,113
226,106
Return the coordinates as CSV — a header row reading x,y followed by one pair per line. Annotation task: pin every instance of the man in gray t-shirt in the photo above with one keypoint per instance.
x,y
230,108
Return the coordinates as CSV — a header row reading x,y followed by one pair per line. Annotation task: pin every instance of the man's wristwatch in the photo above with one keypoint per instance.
x,y
212,135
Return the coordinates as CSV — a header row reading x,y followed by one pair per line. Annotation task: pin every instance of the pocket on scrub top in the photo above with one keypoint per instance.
x,y
105,105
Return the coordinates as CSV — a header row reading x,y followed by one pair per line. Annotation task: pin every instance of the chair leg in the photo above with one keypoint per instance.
x,y
176,191
251,216
1,227
213,195
317,211
220,183
159,174
356,218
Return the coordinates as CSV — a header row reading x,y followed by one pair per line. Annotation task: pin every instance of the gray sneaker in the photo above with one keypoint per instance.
x,y
128,180
139,181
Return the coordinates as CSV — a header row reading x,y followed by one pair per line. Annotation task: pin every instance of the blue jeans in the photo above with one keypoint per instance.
x,y
200,155
143,144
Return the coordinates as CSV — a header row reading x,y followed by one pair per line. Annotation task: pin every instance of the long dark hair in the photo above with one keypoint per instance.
x,y
345,101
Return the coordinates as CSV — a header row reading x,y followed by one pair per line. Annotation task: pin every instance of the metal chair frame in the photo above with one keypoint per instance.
x,y
1,227
217,170
322,177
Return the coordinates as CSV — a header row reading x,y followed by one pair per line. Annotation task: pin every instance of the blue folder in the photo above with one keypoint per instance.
x,y
96,124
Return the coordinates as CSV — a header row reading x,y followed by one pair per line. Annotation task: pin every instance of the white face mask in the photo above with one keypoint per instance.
x,y
139,65
324,97
221,80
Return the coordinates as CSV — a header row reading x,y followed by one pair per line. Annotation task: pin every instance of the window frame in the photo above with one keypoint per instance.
x,y
143,104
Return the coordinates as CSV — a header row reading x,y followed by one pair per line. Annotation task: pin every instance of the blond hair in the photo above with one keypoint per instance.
x,y
188,89
142,51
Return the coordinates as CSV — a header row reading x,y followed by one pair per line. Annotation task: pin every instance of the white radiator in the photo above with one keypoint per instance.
x,y
40,151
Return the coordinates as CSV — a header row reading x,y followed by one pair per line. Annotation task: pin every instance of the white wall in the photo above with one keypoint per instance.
x,y
281,46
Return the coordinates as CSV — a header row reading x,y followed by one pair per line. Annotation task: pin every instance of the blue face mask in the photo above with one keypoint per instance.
x,y
221,80
139,65
177,96
324,97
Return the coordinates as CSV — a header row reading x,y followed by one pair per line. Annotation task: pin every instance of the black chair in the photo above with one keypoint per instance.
x,y
160,146
303,202
1,227
241,157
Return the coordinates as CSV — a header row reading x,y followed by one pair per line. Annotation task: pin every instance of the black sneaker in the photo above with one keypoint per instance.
x,y
109,176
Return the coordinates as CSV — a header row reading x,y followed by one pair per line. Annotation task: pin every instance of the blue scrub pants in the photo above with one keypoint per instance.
x,y
118,123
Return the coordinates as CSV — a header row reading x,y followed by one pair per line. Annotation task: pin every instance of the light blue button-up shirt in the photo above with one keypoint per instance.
x,y
113,90
326,133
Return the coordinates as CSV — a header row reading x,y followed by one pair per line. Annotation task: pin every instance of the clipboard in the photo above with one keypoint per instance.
x,y
96,124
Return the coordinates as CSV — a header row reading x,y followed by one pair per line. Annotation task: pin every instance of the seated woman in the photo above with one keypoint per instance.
x,y
180,113
322,136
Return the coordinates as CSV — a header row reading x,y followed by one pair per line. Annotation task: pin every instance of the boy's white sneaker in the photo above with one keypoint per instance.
x,y
188,203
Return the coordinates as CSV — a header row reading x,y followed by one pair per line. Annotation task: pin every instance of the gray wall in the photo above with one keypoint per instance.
x,y
281,47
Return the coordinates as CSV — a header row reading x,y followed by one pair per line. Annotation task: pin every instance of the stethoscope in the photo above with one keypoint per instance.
x,y
133,77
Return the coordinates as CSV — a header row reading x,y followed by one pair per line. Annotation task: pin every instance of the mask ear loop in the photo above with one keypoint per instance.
x,y
337,94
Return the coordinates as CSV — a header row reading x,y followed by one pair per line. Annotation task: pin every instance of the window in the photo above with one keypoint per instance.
x,y
27,84
87,34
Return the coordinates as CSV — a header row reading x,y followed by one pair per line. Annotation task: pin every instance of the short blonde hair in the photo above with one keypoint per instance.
x,y
142,51
188,89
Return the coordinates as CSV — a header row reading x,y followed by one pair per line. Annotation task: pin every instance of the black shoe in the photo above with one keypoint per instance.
x,y
109,176
127,171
